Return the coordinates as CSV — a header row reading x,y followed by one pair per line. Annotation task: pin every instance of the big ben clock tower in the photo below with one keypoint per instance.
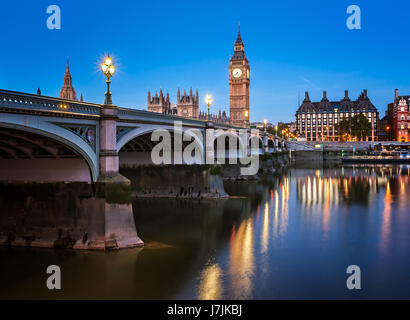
x,y
239,78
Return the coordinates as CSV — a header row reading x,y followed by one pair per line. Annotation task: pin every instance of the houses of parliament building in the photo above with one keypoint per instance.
x,y
188,105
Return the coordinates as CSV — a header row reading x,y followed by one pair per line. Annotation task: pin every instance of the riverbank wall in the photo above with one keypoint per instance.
x,y
195,181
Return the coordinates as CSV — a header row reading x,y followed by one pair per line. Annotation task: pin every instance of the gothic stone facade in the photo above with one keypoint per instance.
x,y
67,90
239,79
186,106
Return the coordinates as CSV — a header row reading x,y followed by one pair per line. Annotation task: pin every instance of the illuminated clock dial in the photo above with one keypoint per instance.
x,y
237,72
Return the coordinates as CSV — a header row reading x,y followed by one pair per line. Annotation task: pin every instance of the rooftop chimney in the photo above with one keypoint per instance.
x,y
307,99
396,94
324,96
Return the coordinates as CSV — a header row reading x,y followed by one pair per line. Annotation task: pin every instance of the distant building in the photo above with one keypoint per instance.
x,y
186,106
290,125
386,125
160,104
261,125
67,90
319,120
401,117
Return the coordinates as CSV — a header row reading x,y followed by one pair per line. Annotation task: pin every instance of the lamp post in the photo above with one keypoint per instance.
x,y
276,130
265,122
208,101
246,114
108,69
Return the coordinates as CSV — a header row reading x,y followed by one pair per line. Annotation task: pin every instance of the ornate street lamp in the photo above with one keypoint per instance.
x,y
108,69
246,114
276,130
265,122
208,101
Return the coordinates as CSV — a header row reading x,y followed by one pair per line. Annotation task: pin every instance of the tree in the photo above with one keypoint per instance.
x,y
357,126
361,127
344,129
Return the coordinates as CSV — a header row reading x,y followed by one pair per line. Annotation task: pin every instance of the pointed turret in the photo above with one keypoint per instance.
x,y
67,90
238,37
38,91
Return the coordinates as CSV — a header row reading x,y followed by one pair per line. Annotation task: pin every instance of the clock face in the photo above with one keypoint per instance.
x,y
248,74
237,72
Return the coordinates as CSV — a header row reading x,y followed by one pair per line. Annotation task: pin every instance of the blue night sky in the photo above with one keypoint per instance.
x,y
292,46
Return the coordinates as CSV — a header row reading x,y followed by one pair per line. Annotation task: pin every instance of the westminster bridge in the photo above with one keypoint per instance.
x,y
46,140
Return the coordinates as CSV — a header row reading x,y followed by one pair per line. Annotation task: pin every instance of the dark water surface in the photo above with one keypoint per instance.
x,y
289,237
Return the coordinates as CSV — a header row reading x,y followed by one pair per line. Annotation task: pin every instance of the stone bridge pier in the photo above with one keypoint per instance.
x,y
113,225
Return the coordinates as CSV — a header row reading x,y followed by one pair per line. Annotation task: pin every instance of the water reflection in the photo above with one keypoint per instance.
x,y
241,261
290,236
211,283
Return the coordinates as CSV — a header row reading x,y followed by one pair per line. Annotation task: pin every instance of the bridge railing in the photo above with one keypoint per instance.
x,y
32,102
135,114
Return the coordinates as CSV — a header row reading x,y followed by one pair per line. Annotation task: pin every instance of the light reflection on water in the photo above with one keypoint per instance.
x,y
292,237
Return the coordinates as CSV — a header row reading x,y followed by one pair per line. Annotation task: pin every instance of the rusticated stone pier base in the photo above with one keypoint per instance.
x,y
68,215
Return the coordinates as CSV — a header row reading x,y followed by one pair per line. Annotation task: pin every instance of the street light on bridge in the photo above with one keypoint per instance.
x,y
108,69
208,101
265,122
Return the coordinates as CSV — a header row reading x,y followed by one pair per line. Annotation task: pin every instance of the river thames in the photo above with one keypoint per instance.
x,y
286,237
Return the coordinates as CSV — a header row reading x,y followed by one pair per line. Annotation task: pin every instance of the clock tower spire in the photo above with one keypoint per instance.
x,y
239,79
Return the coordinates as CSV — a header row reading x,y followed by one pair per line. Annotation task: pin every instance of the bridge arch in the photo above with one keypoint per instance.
x,y
227,136
55,137
138,140
260,149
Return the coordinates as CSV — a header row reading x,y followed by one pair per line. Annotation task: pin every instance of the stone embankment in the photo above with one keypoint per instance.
x,y
195,181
